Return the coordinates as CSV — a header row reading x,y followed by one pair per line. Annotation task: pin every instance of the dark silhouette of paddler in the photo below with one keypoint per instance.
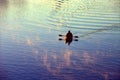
x,y
69,38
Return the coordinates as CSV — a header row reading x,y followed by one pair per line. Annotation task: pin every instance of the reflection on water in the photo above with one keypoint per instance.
x,y
3,7
29,46
73,66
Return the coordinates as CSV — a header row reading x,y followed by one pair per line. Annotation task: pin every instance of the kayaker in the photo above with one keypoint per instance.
x,y
69,37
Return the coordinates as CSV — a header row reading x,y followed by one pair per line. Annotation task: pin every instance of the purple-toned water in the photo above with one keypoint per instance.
x,y
30,48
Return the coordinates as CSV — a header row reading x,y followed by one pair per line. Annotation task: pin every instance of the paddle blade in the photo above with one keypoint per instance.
x,y
60,39
76,37
60,35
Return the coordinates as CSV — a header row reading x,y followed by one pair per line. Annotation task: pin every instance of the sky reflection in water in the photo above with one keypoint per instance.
x,y
29,45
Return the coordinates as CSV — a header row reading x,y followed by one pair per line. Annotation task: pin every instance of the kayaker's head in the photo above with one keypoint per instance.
x,y
69,31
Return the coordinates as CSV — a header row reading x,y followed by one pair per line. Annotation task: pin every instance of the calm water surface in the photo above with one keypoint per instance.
x,y
30,48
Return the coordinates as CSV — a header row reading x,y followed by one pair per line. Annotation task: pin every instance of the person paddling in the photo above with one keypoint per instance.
x,y
69,37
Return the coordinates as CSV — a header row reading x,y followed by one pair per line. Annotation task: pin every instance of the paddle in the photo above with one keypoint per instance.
x,y
61,35
64,35
60,39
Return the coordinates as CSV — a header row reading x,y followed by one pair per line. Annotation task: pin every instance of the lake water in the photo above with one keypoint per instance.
x,y
30,48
